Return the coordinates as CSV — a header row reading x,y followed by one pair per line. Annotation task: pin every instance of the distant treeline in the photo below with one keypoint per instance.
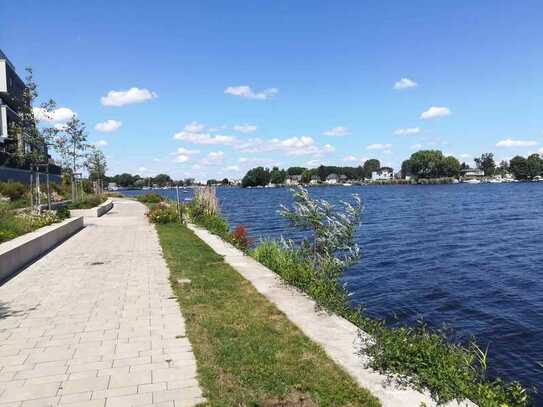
x,y
424,164
261,176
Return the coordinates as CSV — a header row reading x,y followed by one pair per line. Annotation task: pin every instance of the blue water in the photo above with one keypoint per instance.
x,y
468,256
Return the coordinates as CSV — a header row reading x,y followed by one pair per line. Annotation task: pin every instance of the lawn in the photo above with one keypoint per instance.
x,y
248,352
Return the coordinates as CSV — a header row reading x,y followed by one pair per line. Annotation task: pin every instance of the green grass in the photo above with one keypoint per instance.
x,y
247,350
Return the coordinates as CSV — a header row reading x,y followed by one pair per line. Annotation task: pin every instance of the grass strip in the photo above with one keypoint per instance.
x,y
248,352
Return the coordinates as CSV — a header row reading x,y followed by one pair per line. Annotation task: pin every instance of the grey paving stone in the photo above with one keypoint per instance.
x,y
90,322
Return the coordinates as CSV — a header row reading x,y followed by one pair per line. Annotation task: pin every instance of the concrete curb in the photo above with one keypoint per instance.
x,y
339,338
21,251
95,212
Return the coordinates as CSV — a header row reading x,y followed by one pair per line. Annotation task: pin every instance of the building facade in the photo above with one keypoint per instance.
x,y
11,98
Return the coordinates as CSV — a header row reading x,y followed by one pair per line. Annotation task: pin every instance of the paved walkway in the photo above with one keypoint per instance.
x,y
94,323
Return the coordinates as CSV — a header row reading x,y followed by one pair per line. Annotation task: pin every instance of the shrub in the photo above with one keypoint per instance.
x,y
13,225
240,238
151,197
162,213
63,212
13,190
214,223
89,201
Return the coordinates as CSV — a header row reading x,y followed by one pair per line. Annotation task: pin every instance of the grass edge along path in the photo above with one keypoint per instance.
x,y
248,353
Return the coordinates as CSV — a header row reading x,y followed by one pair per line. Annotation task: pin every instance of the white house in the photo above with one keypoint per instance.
x,y
293,180
332,179
382,175
473,173
315,179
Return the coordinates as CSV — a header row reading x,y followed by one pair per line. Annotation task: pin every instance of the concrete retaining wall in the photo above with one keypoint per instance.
x,y
21,251
95,212
104,208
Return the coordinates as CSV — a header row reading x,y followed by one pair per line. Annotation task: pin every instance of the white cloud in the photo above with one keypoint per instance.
x,y
195,133
407,131
350,158
108,126
194,127
303,145
213,158
465,156
434,112
416,147
126,97
245,128
60,115
186,151
378,146
405,83
246,92
516,143
337,131
182,158
183,154
100,143
215,155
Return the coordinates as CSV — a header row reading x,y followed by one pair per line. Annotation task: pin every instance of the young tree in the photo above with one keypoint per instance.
x,y
27,142
96,165
72,147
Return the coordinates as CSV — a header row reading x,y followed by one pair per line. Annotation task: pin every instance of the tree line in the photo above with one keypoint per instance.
x,y
424,164
261,176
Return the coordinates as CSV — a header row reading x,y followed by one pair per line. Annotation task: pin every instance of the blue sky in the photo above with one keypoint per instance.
x,y
212,88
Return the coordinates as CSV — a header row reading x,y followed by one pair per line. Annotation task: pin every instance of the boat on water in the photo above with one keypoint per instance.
x,y
471,181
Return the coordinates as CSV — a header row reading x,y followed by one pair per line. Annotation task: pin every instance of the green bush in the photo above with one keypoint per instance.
x,y
14,224
63,212
162,213
214,223
89,201
150,198
13,190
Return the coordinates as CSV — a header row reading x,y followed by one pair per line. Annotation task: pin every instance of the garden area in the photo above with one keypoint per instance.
x,y
17,218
